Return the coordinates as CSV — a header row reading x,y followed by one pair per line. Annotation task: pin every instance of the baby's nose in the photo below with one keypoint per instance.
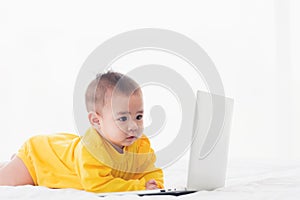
x,y
132,126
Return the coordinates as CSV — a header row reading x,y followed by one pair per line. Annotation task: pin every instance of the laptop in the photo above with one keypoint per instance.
x,y
209,147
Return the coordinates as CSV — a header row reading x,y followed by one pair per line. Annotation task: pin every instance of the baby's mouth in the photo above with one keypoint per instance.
x,y
131,138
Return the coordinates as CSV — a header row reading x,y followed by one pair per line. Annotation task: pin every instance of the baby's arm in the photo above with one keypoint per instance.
x,y
153,173
108,183
157,176
96,177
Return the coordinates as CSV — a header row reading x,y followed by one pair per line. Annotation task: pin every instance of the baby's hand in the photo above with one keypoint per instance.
x,y
151,185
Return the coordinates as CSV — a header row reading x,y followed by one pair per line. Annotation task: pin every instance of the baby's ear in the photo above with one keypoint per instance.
x,y
94,119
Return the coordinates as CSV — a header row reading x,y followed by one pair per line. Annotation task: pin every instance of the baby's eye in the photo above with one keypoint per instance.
x,y
122,119
139,117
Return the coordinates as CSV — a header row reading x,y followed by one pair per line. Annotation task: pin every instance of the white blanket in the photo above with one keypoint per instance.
x,y
246,179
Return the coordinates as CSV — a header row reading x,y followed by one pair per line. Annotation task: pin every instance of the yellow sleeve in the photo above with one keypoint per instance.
x,y
96,177
157,173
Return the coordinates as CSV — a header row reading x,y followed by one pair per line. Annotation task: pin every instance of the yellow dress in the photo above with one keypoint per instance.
x,y
89,163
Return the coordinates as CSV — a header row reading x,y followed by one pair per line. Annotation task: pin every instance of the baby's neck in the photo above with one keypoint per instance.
x,y
119,149
116,147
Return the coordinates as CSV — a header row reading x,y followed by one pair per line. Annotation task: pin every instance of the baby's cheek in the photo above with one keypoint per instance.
x,y
120,127
141,130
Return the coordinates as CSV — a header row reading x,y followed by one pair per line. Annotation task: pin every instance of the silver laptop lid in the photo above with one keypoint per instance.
x,y
209,149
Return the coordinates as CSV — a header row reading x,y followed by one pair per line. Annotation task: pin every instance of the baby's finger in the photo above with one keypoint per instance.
x,y
152,181
152,187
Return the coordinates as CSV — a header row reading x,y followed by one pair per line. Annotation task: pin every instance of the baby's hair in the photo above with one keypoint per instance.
x,y
96,91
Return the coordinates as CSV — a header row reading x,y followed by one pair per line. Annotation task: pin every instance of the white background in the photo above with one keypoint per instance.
x,y
253,43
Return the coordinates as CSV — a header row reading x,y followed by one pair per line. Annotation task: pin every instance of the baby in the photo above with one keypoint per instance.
x,y
113,155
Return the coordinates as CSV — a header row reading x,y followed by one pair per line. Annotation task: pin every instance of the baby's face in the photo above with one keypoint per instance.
x,y
121,120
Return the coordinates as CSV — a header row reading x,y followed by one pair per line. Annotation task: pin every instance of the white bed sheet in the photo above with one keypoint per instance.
x,y
246,179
